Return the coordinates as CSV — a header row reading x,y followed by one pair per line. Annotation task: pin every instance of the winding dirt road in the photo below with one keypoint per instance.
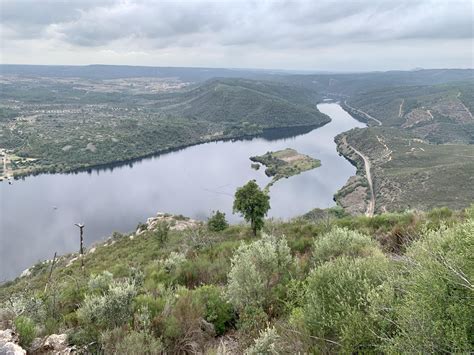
x,y
367,166
400,109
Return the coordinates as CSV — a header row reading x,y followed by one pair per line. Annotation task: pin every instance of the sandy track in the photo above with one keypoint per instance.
x,y
367,166
400,109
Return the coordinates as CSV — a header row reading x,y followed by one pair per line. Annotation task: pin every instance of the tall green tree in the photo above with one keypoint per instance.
x,y
253,204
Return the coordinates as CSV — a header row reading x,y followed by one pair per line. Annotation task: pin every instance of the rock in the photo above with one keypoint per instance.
x,y
36,345
25,273
9,343
72,261
52,344
8,335
11,349
56,342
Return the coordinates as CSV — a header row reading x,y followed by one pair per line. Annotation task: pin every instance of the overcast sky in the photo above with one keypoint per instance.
x,y
304,35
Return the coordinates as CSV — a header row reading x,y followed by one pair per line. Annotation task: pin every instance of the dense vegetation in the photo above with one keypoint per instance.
x,y
324,283
67,124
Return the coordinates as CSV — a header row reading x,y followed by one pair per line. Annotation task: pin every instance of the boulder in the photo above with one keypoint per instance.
x,y
9,343
8,335
11,349
56,342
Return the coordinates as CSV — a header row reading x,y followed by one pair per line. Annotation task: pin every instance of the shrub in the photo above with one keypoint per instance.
x,y
181,324
173,261
199,238
342,241
217,222
26,329
256,270
338,302
202,270
435,311
441,213
155,305
119,341
101,282
252,319
265,344
72,294
162,232
111,309
216,309
27,305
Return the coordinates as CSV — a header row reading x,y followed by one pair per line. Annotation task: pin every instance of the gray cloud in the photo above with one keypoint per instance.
x,y
146,25
93,23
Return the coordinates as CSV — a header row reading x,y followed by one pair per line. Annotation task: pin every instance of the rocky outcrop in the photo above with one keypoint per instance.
x,y
178,223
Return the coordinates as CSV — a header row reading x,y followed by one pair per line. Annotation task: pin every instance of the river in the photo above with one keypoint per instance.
x,y
37,214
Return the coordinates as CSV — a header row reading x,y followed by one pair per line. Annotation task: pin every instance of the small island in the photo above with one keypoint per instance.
x,y
285,163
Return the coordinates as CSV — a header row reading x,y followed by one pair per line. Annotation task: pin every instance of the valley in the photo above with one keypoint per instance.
x,y
104,124
236,177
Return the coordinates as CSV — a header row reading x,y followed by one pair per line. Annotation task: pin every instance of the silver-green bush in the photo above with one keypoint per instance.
x,y
342,241
256,269
111,309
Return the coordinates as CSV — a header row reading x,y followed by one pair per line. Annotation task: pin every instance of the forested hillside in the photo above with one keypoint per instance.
x,y
65,124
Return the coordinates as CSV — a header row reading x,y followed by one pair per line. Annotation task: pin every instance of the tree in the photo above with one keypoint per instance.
x,y
253,204
217,222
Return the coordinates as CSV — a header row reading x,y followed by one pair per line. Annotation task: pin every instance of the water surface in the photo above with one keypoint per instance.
x,y
37,214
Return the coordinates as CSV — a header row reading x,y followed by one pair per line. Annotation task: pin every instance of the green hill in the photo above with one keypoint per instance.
x,y
264,103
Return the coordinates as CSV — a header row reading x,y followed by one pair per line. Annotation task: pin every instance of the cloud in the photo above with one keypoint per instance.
x,y
265,23
248,25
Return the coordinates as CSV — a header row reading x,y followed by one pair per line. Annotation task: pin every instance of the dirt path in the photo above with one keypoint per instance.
x,y
367,166
400,109
363,113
